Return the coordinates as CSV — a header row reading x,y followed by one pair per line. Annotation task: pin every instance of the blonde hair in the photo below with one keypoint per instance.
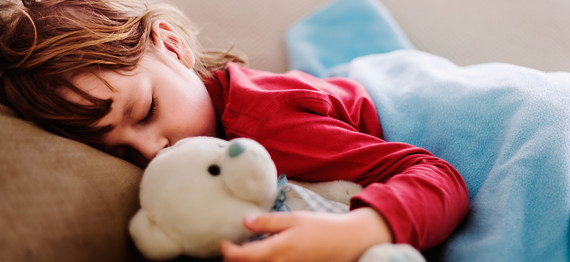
x,y
43,41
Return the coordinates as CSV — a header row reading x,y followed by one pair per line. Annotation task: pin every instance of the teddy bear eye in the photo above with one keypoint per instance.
x,y
214,170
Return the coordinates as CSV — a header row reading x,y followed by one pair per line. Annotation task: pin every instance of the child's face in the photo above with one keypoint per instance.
x,y
158,103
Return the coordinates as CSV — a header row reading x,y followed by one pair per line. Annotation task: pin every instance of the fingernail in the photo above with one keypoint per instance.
x,y
250,220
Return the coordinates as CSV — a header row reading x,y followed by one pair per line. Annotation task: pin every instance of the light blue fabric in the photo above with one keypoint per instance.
x,y
347,29
507,131
505,128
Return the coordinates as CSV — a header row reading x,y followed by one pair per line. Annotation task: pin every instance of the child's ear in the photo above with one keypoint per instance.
x,y
164,36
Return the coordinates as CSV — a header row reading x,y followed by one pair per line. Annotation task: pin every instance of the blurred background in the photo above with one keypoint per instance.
x,y
532,33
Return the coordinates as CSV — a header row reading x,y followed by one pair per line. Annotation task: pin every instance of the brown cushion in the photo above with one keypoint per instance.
x,y
61,200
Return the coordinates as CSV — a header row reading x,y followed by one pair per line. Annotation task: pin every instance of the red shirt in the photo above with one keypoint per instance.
x,y
324,130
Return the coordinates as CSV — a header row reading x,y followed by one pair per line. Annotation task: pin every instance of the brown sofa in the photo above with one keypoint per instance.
x,y
64,201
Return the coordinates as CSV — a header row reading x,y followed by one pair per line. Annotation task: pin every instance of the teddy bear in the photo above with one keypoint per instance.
x,y
197,192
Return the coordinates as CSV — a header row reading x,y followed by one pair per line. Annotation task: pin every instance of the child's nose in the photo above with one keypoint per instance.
x,y
150,149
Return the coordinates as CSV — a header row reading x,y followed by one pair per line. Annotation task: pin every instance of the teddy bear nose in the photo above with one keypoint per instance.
x,y
236,148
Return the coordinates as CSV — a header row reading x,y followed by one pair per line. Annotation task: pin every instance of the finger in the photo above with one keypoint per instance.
x,y
253,251
270,222
228,250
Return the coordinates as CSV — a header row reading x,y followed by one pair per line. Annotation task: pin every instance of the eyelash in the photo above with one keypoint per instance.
x,y
151,111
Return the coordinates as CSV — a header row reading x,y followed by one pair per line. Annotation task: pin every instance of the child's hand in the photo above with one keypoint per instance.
x,y
310,236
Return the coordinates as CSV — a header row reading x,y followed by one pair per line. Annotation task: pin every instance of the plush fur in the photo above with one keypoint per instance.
x,y
197,192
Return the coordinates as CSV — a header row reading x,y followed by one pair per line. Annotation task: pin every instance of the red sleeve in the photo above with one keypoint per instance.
x,y
335,134
422,197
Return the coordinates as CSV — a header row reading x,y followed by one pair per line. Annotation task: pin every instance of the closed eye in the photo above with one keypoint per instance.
x,y
151,112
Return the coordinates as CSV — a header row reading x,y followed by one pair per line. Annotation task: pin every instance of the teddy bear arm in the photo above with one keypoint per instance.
x,y
151,240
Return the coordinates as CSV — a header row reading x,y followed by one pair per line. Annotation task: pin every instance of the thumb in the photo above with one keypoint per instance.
x,y
270,222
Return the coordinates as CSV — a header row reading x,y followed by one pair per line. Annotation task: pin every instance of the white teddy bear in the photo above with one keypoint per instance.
x,y
198,191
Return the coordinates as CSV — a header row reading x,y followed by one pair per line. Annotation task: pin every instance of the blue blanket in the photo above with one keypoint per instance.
x,y
505,128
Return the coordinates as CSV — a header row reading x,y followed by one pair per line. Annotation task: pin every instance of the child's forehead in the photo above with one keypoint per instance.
x,y
105,83
97,83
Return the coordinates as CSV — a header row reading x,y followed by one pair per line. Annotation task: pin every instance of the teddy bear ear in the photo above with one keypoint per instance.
x,y
151,240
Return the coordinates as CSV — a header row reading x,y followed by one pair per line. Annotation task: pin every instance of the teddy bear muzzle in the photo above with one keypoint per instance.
x,y
249,173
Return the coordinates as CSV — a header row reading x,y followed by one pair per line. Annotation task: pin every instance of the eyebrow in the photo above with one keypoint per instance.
x,y
127,113
132,97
